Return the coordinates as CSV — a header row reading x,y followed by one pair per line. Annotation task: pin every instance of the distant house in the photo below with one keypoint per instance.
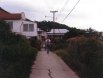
x,y
42,35
19,23
57,33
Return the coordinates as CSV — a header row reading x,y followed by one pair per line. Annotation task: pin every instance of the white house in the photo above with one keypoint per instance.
x,y
19,23
42,34
57,32
53,33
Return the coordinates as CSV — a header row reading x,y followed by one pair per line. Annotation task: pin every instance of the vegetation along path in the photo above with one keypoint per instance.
x,y
50,66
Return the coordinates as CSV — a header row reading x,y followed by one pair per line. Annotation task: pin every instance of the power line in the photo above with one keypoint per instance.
x,y
62,9
70,11
48,5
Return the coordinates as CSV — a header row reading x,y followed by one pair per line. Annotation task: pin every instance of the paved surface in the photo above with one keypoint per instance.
x,y
50,66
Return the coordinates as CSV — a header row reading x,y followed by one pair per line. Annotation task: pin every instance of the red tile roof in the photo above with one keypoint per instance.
x,y
10,16
4,15
3,11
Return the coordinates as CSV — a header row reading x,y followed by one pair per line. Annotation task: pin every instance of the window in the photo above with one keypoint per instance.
x,y
31,27
28,27
11,25
25,27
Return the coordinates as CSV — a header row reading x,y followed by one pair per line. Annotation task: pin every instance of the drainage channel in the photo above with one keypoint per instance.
x,y
50,75
49,72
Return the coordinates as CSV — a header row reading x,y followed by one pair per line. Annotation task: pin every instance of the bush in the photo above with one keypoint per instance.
x,y
17,60
16,54
58,44
84,55
34,42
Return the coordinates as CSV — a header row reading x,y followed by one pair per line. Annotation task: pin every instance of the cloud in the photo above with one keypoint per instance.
x,y
88,13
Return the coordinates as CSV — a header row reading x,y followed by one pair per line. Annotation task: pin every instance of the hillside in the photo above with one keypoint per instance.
x,y
48,25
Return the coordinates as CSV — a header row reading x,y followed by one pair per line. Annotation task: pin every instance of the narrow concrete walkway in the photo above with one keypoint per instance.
x,y
50,66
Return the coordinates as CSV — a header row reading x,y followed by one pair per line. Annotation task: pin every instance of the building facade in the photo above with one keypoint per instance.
x,y
19,23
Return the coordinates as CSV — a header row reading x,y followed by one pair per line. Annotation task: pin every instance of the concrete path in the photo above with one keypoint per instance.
x,y
50,66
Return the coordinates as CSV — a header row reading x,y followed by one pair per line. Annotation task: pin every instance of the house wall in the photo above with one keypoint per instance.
x,y
41,34
18,27
30,34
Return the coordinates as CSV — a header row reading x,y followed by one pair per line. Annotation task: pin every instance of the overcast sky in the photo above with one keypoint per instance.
x,y
88,13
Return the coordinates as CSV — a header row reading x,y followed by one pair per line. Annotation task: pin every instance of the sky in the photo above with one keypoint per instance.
x,y
87,13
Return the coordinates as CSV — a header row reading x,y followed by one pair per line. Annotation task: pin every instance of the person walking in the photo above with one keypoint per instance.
x,y
48,44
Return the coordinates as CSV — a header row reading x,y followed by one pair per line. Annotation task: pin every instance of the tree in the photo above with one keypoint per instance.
x,y
48,25
73,32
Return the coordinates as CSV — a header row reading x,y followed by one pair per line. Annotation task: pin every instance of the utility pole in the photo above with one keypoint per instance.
x,y
53,20
53,15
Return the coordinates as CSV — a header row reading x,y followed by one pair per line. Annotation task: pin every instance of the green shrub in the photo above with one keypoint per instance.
x,y
16,60
58,44
34,42
16,54
85,56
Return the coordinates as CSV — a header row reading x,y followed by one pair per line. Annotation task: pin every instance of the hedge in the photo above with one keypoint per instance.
x,y
85,56
16,54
